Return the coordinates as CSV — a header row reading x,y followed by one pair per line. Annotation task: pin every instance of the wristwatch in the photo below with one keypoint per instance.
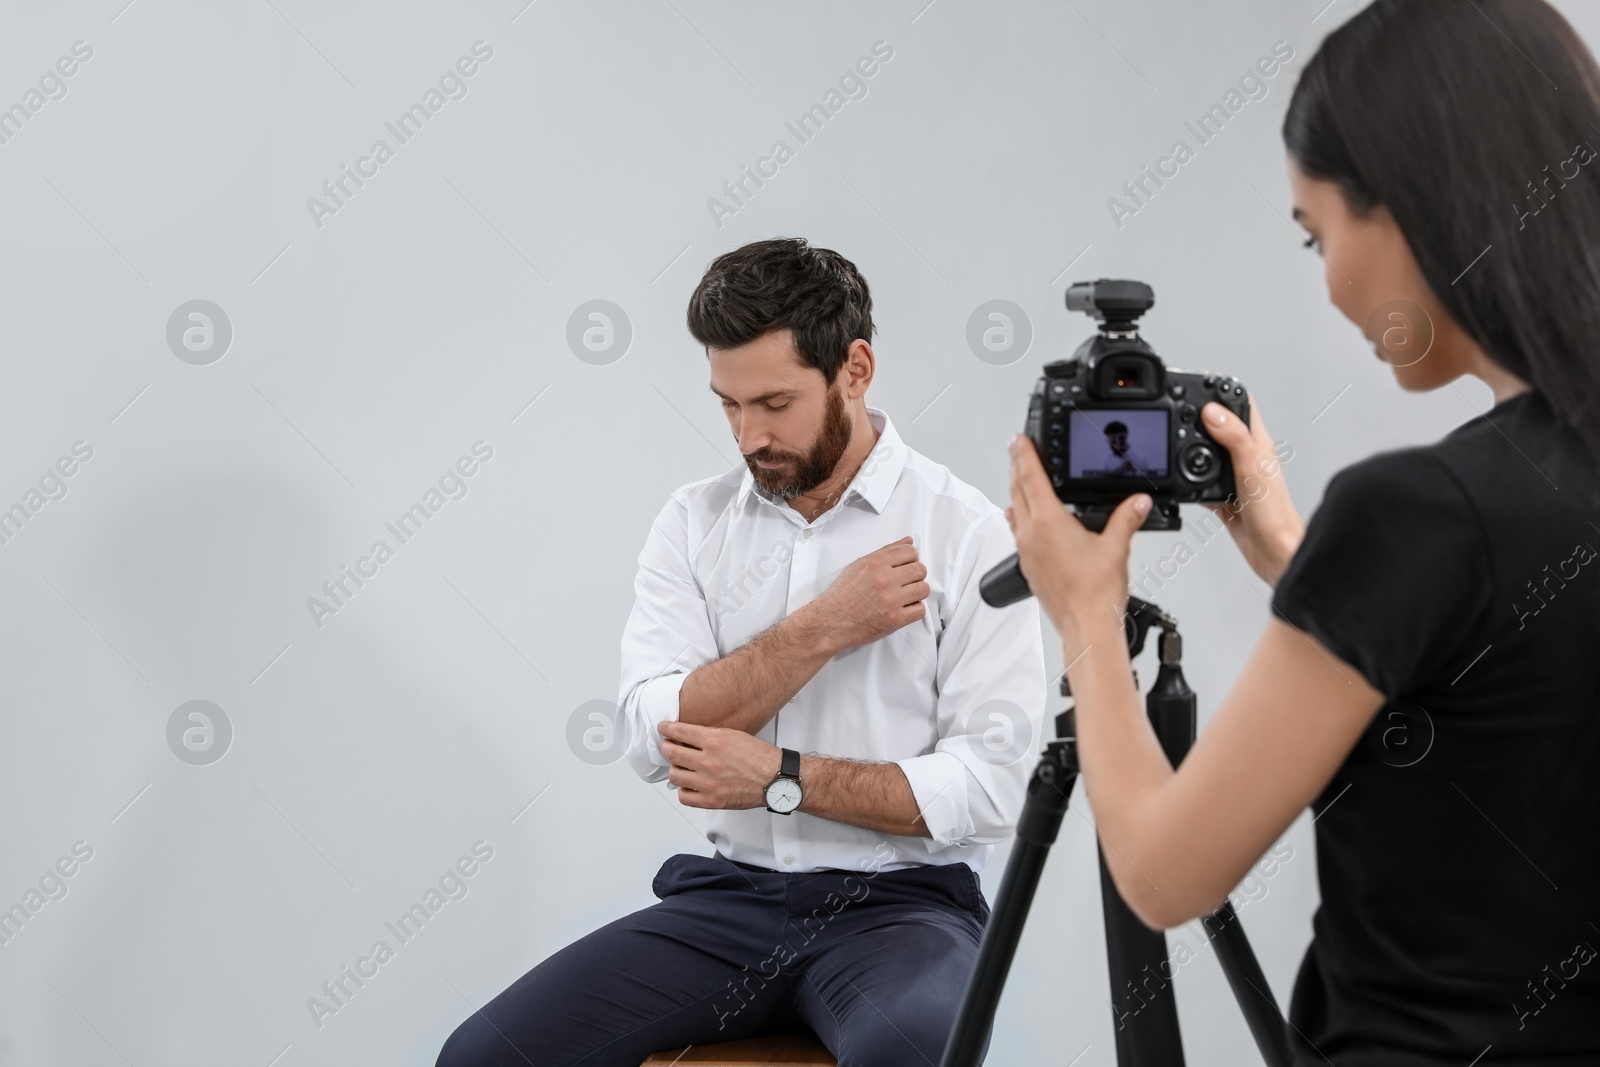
x,y
784,794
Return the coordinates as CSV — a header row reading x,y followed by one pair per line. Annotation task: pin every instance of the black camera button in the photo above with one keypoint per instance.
x,y
1209,381
1199,463
1076,390
1175,391
1186,412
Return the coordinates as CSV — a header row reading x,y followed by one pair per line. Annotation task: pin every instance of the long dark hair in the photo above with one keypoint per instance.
x,y
1466,121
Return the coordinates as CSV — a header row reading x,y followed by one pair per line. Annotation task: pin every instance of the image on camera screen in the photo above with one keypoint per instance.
x,y
1106,443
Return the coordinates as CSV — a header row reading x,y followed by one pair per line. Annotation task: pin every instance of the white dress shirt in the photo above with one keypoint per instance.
x,y
956,698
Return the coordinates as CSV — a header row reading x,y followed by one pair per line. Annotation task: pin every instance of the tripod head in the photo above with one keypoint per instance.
x,y
1170,703
1137,620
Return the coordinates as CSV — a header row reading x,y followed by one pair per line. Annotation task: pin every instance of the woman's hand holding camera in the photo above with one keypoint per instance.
x,y
1262,518
1080,578
1076,574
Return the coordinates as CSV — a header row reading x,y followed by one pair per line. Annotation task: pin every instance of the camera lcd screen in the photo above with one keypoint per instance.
x,y
1107,443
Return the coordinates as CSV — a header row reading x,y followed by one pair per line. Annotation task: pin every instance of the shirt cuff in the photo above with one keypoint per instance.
x,y
658,702
939,784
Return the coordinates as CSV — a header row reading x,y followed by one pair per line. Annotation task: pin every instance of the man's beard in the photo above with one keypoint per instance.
x,y
806,473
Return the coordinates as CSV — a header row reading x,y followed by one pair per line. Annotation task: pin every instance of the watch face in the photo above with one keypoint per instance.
x,y
783,795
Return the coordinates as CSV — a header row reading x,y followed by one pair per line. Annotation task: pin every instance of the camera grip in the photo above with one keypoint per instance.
x,y
1004,584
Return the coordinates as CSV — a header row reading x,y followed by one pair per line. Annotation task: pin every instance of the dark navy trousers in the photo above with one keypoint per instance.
x,y
873,962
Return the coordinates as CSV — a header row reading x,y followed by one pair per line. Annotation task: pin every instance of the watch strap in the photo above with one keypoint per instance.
x,y
790,767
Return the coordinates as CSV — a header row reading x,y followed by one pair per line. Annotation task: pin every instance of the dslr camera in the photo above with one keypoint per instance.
x,y
1114,420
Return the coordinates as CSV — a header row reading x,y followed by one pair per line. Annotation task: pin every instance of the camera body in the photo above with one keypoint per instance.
x,y
1114,420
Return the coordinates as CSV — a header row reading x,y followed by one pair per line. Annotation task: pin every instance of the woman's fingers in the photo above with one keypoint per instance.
x,y
1128,517
1030,486
1258,426
1018,511
1231,433
1269,530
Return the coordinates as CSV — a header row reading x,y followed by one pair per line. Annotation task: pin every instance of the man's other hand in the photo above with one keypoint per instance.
x,y
874,596
713,767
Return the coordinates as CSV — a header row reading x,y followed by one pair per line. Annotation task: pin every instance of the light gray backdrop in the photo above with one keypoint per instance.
x,y
227,459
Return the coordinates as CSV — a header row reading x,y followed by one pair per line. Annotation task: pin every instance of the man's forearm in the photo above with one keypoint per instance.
x,y
873,796
745,688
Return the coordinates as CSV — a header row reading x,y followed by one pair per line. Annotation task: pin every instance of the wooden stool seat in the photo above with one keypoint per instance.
x,y
789,1050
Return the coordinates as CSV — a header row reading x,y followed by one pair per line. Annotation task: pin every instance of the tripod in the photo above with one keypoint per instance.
x,y
1147,1031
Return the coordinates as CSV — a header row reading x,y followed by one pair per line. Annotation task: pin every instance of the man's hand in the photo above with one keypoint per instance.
x,y
874,596
714,767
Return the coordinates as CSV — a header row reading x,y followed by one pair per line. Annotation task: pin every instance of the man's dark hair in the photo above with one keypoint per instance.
x,y
1460,119
784,283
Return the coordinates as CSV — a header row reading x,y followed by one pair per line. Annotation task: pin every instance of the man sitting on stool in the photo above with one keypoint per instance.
x,y
834,575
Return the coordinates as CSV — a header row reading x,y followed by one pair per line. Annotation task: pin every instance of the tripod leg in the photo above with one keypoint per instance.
x,y
1171,704
1144,1006
1048,792
1249,985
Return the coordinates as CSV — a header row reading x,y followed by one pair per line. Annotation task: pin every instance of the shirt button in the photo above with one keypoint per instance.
x,y
808,532
788,859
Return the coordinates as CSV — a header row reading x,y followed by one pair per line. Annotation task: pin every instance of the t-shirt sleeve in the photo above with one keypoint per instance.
x,y
1393,575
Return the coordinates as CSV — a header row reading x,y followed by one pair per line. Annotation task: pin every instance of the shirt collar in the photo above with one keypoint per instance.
x,y
873,483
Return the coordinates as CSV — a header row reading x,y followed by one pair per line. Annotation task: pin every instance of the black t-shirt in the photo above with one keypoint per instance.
x,y
1458,847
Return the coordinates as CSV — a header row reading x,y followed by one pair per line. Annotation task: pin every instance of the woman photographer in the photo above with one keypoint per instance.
x,y
1429,681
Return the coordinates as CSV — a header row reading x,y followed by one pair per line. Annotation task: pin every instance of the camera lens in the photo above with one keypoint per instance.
x,y
1200,463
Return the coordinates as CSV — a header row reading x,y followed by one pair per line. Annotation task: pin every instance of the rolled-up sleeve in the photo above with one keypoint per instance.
x,y
990,710
668,634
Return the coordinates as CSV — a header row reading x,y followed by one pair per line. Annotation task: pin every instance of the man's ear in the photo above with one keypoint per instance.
x,y
857,369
